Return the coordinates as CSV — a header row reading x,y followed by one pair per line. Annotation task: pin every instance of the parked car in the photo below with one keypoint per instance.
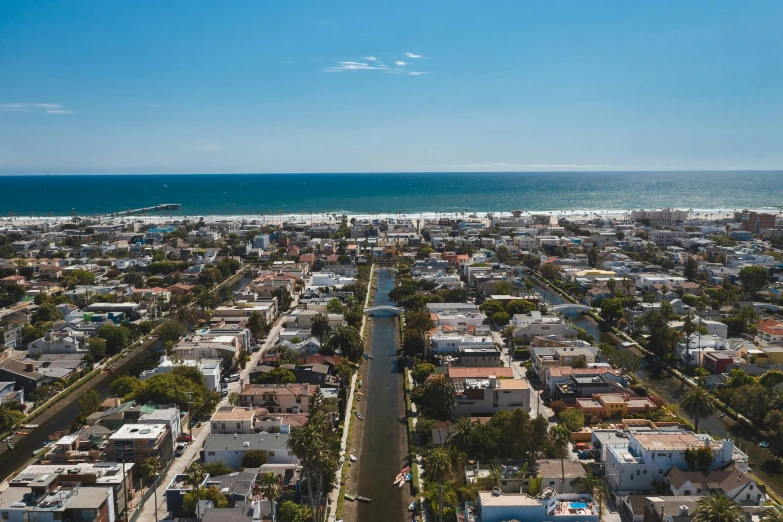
x,y
234,377
180,449
184,438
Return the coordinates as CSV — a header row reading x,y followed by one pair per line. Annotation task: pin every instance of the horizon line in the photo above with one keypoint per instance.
x,y
390,172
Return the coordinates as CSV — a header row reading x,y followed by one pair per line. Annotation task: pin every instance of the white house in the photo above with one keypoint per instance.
x,y
484,397
231,448
209,368
55,343
537,324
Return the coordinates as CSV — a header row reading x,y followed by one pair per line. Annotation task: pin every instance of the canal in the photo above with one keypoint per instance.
x,y
552,298
380,439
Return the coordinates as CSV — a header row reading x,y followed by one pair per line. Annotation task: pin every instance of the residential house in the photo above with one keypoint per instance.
x,y
735,484
527,326
279,398
495,506
138,442
484,397
230,420
479,356
614,405
231,448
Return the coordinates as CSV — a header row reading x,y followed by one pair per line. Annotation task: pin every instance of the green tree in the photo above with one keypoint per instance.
x,y
217,468
269,486
171,330
771,378
89,402
97,347
612,310
116,337
501,318
82,277
418,320
45,313
717,507
697,403
284,298
461,434
560,437
596,487
125,386
421,371
753,278
289,511
573,419
276,376
257,325
520,306
347,341
491,306
502,252
192,499
254,459
503,288
439,397
438,465
9,418
321,328
335,306
691,268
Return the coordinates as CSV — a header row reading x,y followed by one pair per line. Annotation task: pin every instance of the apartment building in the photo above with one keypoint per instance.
x,y
527,326
279,398
138,442
484,397
230,420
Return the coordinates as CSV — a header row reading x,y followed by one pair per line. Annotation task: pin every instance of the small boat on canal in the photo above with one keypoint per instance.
x,y
10,445
363,499
29,426
359,416
350,497
353,458
401,476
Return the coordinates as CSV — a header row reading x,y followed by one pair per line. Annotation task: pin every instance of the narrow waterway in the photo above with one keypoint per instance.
x,y
381,441
584,322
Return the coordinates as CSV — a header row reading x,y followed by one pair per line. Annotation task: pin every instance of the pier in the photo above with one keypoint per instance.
x,y
156,208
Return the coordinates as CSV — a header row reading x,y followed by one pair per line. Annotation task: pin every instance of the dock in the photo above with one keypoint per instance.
x,y
156,208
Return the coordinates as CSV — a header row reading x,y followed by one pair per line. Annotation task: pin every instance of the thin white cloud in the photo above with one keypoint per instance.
x,y
523,166
46,108
373,63
356,66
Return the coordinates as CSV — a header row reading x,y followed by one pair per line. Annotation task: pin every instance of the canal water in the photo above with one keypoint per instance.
x,y
584,322
382,441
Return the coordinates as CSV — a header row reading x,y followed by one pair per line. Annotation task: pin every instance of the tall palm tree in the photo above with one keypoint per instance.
x,y
441,396
438,465
596,487
717,507
697,403
196,476
321,327
772,514
271,489
561,436
347,340
149,470
461,434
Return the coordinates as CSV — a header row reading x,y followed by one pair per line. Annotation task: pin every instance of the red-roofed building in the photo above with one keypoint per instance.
x,y
770,331
307,258
180,288
13,280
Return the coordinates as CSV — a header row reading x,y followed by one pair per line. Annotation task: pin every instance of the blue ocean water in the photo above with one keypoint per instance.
x,y
410,193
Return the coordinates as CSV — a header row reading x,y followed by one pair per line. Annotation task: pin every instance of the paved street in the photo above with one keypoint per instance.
x,y
200,434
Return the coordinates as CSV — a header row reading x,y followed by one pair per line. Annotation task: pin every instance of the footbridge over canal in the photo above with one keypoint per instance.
x,y
385,310
571,308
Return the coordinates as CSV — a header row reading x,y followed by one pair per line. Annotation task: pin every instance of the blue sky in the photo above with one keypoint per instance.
x,y
313,86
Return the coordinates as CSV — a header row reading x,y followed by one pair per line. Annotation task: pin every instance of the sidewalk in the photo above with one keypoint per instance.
x,y
200,434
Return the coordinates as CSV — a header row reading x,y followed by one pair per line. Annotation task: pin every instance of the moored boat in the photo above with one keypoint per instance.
x,y
353,458
350,497
10,445
363,499
358,416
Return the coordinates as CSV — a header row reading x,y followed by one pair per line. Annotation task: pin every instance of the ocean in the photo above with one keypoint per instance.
x,y
408,193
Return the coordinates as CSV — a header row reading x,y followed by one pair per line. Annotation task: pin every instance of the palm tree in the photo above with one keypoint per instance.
x,y
596,487
717,507
441,396
196,476
271,489
149,470
321,327
461,434
438,465
561,436
347,340
697,403
772,514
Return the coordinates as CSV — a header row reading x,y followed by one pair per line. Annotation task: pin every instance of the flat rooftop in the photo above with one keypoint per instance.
x,y
139,431
668,441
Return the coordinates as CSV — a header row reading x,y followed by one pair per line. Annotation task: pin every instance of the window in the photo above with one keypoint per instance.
x,y
57,516
299,400
687,492
271,453
223,425
551,482
5,515
211,453
239,425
